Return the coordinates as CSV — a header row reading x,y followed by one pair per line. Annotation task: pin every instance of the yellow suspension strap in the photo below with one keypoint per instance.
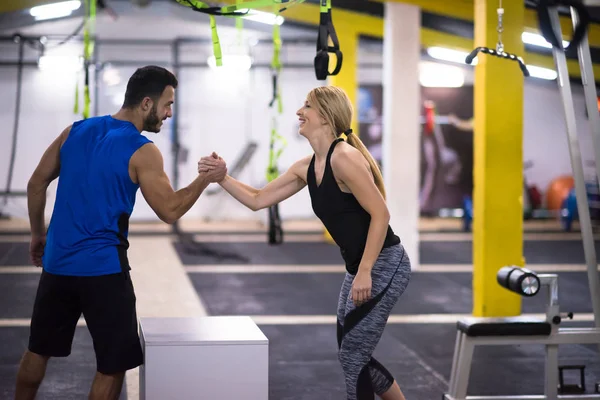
x,y
238,10
275,228
88,50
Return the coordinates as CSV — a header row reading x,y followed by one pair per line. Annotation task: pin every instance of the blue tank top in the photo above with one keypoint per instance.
x,y
88,231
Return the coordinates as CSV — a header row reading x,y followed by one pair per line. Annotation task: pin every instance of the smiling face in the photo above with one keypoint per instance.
x,y
326,111
309,119
158,111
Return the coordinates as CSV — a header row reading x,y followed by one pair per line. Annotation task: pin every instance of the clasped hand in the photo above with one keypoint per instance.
x,y
213,166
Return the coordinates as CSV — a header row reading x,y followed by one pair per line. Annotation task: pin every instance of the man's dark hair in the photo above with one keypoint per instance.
x,y
149,81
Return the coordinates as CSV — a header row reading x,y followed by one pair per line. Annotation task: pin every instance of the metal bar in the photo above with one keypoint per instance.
x,y
149,42
17,115
533,397
13,193
17,64
562,336
526,397
576,162
550,372
591,101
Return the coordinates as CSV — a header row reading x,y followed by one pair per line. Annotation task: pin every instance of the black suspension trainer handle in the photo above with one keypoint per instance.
x,y
326,30
544,8
493,52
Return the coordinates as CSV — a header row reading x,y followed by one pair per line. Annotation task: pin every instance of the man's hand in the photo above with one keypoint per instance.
x,y
214,167
36,250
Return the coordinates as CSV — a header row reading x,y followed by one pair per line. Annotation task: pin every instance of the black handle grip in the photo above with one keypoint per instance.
x,y
493,52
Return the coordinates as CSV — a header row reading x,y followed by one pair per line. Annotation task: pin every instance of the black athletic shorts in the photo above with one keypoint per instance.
x,y
107,303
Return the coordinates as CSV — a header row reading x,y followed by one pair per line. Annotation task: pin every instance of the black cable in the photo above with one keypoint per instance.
x,y
71,36
13,152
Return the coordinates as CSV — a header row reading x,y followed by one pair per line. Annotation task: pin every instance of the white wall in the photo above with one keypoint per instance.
x,y
545,137
222,113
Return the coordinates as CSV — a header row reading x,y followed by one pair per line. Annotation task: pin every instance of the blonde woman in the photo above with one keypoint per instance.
x,y
347,194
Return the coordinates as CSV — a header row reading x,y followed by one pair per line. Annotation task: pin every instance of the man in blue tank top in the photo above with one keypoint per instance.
x,y
101,162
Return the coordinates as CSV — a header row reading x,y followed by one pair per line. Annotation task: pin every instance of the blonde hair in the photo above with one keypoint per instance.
x,y
333,104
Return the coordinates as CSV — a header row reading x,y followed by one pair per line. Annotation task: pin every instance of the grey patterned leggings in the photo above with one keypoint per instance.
x,y
360,328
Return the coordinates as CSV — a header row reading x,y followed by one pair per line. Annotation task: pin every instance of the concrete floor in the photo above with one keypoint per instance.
x,y
291,293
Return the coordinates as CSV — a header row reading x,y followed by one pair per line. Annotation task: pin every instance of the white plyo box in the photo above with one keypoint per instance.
x,y
211,357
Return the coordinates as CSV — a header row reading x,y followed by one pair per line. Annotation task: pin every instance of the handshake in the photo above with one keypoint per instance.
x,y
213,167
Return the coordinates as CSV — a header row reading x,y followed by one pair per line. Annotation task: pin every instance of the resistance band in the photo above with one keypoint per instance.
x,y
326,30
499,51
583,21
238,10
275,228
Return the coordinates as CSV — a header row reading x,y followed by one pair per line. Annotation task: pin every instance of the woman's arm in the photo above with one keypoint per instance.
x,y
279,189
352,169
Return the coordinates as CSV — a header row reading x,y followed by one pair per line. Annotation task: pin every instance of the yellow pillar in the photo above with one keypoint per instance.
x,y
346,79
498,159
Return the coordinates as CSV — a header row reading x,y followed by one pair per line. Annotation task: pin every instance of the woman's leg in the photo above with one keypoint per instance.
x,y
362,326
393,393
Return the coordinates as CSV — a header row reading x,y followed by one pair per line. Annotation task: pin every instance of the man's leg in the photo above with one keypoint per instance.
x,y
109,310
107,387
31,373
53,322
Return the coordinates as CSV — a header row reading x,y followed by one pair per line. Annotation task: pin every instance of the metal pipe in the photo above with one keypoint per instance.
x,y
587,233
13,152
13,193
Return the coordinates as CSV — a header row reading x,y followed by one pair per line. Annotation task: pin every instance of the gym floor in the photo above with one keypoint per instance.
x,y
291,292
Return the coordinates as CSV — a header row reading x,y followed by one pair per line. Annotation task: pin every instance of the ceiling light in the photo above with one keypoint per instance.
x,y
538,40
60,63
232,62
444,54
542,73
440,75
54,10
262,17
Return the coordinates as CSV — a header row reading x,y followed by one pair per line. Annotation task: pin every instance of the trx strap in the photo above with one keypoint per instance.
x,y
551,36
499,51
238,10
326,30
275,229
88,50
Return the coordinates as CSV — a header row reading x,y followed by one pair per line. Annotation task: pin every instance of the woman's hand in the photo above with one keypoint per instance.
x,y
361,287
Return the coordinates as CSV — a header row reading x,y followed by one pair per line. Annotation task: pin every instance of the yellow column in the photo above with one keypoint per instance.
x,y
346,79
498,159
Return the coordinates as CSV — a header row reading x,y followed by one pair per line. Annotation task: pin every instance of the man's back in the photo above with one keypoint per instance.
x,y
95,196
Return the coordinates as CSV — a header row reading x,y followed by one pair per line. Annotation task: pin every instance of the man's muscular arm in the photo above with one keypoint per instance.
x,y
47,170
168,204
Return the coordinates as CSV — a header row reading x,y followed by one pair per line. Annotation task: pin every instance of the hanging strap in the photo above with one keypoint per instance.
x,y
543,9
274,155
327,30
88,50
238,10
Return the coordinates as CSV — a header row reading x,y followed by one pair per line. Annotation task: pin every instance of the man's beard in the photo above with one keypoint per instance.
x,y
151,122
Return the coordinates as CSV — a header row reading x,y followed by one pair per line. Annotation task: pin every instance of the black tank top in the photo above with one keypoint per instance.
x,y
343,216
